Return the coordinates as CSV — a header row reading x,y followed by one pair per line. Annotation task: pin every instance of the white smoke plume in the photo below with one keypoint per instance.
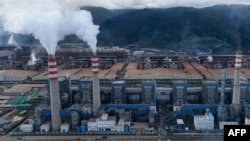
x,y
12,41
121,4
33,59
49,21
209,58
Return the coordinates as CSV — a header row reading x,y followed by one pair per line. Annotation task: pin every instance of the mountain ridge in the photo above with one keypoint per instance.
x,y
218,28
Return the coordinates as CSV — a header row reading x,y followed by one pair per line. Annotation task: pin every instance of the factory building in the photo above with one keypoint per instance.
x,y
134,95
103,123
85,90
204,122
223,123
179,92
121,90
247,121
118,94
163,95
244,92
27,128
194,95
148,91
210,92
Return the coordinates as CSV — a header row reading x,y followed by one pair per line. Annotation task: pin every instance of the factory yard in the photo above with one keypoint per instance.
x,y
121,96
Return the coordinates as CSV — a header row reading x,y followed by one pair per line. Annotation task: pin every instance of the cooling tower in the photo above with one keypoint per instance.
x,y
96,86
54,94
236,88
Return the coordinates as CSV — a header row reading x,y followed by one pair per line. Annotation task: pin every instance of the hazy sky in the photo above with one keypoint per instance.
x,y
117,4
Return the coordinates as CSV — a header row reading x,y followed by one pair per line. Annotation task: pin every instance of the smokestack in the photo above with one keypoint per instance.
x,y
221,109
96,87
55,102
222,96
236,88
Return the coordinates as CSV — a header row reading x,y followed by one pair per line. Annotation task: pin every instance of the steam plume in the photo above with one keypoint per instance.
x,y
33,59
12,41
209,58
49,21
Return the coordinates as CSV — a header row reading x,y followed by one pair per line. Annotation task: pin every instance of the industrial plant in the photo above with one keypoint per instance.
x,y
121,90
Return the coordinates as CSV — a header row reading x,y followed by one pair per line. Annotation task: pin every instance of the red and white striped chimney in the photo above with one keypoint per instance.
x,y
52,67
96,86
55,101
95,64
236,88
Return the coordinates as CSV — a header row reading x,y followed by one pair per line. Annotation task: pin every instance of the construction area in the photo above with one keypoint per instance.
x,y
120,91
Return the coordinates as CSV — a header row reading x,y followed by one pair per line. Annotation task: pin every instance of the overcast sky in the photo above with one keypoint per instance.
x,y
120,4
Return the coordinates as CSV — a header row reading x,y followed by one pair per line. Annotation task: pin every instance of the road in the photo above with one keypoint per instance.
x,y
112,138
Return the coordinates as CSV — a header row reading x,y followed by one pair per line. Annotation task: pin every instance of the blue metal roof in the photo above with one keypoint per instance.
x,y
126,106
210,83
180,83
118,83
85,80
246,84
198,106
149,83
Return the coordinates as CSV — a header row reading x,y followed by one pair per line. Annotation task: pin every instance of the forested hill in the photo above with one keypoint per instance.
x,y
220,27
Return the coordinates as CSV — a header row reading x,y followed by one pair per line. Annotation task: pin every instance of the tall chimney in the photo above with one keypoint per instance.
x,y
222,93
236,88
221,109
96,86
55,102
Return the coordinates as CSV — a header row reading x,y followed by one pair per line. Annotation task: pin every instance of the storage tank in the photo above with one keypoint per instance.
x,y
46,112
83,129
45,128
126,128
63,113
64,128
85,115
180,124
78,129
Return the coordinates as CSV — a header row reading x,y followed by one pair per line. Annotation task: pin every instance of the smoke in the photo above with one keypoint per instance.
x,y
12,41
49,21
33,59
209,58
121,4
1,34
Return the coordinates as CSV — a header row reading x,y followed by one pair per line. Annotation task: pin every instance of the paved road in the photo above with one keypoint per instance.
x,y
112,138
